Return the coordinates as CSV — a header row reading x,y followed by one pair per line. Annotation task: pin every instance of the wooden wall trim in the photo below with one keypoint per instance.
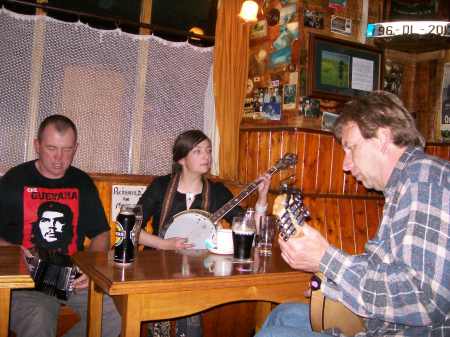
x,y
344,196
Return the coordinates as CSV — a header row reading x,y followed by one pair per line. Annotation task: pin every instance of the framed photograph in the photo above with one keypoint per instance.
x,y
341,69
328,119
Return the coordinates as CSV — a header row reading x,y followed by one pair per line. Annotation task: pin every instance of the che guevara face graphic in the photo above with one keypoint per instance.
x,y
53,228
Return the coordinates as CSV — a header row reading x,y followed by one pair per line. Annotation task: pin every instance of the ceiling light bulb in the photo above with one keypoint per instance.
x,y
249,11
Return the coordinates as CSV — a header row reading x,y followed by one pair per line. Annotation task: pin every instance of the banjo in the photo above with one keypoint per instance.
x,y
199,226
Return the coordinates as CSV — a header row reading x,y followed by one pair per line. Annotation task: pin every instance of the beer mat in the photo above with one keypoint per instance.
x,y
220,252
191,252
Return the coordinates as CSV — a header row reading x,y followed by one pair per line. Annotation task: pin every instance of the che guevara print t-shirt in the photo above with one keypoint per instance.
x,y
50,218
50,213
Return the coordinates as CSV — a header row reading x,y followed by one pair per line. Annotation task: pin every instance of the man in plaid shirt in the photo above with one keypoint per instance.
x,y
401,284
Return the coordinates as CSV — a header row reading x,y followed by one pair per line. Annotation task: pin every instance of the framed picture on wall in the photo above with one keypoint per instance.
x,y
342,69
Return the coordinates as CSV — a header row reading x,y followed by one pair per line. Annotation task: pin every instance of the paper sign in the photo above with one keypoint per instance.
x,y
124,194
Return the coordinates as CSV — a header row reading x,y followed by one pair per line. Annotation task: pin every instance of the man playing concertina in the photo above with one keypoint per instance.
x,y
49,204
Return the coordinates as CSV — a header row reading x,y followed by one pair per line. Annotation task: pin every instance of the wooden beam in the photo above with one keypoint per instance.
x,y
146,16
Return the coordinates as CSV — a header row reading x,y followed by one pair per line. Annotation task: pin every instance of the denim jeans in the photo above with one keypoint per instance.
x,y
289,320
35,314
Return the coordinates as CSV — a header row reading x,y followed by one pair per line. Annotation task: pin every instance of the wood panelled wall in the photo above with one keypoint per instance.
x,y
341,208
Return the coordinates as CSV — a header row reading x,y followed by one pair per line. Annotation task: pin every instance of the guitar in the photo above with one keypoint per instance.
x,y
199,226
324,313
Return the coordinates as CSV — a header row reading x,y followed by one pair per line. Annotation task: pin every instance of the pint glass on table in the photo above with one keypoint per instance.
x,y
124,251
243,234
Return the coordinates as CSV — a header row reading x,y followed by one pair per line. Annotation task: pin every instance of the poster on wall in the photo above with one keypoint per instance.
x,y
288,33
310,107
259,30
338,5
445,113
341,25
288,14
124,194
280,57
289,96
313,19
271,103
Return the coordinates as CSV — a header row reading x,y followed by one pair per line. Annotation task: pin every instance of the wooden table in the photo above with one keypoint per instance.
x,y
13,274
168,284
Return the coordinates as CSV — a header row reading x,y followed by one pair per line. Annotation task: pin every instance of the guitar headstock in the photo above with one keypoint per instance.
x,y
291,213
289,159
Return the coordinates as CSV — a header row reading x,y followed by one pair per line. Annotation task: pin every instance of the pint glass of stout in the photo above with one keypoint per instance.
x,y
243,234
124,251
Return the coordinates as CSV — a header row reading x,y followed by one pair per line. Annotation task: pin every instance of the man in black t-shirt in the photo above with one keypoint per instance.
x,y
49,204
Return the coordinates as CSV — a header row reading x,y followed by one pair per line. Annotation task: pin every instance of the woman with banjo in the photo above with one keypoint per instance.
x,y
188,188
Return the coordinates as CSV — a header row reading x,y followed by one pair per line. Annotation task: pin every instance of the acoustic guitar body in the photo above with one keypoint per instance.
x,y
326,313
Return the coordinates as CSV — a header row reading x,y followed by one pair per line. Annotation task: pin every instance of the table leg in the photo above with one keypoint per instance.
x,y
131,311
5,299
95,311
262,310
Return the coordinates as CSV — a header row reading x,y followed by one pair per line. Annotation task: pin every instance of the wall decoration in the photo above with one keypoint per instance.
x,y
287,2
338,5
259,30
341,25
249,88
328,120
341,69
393,73
273,17
293,76
335,69
310,107
407,9
258,61
313,19
288,33
288,14
271,107
289,96
445,98
249,107
124,194
280,57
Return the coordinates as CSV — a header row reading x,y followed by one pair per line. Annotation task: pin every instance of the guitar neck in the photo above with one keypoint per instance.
x,y
249,189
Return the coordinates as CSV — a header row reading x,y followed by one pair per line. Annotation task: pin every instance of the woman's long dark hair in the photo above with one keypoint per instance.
x,y
184,143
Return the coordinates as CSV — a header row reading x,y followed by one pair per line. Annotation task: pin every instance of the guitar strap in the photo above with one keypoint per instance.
x,y
168,201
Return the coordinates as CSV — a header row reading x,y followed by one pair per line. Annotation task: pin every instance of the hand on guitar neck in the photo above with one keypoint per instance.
x,y
302,247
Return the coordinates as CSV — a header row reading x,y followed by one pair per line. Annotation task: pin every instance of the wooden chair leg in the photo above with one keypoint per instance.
x,y
66,320
144,329
173,328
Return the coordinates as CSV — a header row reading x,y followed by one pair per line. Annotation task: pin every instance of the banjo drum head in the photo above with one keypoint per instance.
x,y
194,225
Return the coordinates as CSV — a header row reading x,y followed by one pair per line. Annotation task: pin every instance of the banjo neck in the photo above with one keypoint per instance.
x,y
249,189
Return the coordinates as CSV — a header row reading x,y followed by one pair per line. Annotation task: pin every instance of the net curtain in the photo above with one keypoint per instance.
x,y
129,95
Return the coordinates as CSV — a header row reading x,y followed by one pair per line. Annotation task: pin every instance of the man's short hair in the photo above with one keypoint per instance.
x,y
61,124
380,109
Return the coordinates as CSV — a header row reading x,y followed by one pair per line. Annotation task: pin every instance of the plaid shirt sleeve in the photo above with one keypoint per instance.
x,y
404,275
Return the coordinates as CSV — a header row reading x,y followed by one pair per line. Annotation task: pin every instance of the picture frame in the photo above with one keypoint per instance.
x,y
340,69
